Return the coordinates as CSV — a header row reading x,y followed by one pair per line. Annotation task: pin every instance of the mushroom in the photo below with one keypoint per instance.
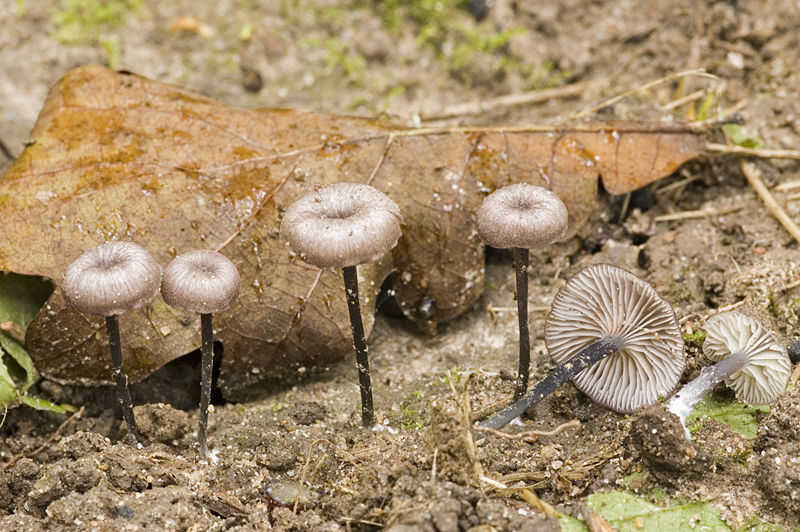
x,y
615,336
343,225
109,280
522,217
204,282
748,357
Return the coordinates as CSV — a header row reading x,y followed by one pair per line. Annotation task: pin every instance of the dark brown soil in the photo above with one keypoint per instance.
x,y
418,470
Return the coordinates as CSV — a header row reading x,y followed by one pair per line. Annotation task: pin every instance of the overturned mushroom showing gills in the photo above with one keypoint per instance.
x,y
614,336
522,217
204,282
109,280
748,357
341,226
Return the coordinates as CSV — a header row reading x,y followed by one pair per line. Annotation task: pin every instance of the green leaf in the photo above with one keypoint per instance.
x,y
740,416
8,392
626,512
22,296
741,136
41,404
18,353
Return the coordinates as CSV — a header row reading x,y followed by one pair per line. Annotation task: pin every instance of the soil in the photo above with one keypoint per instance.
x,y
418,470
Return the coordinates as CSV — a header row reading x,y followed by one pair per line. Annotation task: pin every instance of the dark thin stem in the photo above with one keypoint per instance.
x,y
585,358
360,344
206,369
521,267
123,392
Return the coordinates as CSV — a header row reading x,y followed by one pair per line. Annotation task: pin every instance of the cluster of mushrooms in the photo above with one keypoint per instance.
x,y
608,330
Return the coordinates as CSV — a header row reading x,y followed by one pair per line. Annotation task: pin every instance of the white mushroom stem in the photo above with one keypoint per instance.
x,y
682,403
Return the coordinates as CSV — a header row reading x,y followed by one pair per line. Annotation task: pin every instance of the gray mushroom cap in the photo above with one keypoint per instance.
x,y
201,281
342,224
602,301
521,216
766,372
111,279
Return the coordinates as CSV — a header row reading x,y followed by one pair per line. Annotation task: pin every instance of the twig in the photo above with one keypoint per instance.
x,y
531,435
14,331
755,152
538,504
702,213
492,482
686,99
305,470
615,99
512,100
47,442
753,176
433,465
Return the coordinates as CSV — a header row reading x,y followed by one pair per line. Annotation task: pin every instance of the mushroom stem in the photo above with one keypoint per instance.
x,y
586,357
683,402
206,370
360,344
521,256
123,392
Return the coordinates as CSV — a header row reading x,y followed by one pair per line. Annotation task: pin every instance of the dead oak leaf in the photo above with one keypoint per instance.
x,y
118,156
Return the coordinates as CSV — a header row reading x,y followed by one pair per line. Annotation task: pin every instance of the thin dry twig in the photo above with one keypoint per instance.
x,y
305,470
13,331
47,442
512,100
688,215
531,435
753,176
754,152
538,504
646,86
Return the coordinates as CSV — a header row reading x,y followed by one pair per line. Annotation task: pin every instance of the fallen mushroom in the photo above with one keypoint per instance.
x,y
522,217
343,225
109,280
748,357
204,282
614,336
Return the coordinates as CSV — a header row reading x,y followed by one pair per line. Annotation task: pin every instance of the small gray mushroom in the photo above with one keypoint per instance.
x,y
615,336
343,225
522,217
204,282
109,280
748,357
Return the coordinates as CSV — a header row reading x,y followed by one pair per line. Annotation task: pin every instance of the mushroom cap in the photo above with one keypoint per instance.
x,y
767,370
342,224
521,216
604,300
201,281
110,279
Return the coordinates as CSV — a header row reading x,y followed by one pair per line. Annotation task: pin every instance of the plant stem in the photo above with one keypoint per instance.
x,y
206,372
585,358
521,267
360,344
123,392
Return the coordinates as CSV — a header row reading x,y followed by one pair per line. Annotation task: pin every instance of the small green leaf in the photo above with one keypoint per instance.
x,y
18,353
626,512
21,297
743,137
740,416
41,404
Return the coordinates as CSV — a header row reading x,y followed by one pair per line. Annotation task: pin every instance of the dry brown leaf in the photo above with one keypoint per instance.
x,y
118,156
